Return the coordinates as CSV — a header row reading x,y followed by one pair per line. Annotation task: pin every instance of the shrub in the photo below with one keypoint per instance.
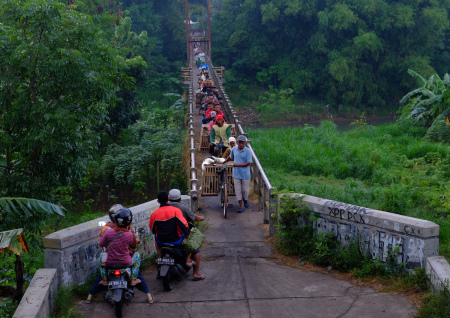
x,y
436,305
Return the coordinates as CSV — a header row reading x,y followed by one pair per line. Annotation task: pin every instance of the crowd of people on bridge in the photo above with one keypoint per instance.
x,y
221,141
172,222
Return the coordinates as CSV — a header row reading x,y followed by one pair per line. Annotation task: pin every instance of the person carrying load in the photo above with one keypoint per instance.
x,y
206,83
220,134
242,157
204,65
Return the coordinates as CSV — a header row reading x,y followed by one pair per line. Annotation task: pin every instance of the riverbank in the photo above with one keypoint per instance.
x,y
251,118
259,107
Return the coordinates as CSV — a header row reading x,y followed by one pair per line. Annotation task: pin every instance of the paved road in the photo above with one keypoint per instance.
x,y
242,280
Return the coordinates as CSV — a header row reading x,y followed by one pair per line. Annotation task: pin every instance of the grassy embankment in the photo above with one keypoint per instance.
x,y
388,167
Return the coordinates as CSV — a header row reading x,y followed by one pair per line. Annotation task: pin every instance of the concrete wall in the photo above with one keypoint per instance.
x,y
378,231
438,271
74,251
39,296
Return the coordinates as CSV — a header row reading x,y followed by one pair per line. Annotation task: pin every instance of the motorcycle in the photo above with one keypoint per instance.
x,y
120,291
172,266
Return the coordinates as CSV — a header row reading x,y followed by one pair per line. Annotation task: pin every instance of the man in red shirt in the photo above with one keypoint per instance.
x,y
169,226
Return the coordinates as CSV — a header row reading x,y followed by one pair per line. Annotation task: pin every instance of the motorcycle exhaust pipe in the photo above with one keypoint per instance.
x,y
129,294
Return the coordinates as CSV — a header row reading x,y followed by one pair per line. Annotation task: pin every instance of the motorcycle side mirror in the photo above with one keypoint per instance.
x,y
101,223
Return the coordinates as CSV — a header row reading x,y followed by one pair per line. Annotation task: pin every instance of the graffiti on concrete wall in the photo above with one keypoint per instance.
x,y
83,256
84,259
344,211
375,242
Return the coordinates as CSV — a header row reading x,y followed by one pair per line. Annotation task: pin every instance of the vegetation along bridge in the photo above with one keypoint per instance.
x,y
244,275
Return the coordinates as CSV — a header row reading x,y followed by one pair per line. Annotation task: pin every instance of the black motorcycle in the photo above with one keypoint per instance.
x,y
120,291
172,266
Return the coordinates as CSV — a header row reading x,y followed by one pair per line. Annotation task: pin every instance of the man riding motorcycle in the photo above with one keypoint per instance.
x,y
170,227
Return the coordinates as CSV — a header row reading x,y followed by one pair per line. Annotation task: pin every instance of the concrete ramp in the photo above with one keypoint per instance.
x,y
242,280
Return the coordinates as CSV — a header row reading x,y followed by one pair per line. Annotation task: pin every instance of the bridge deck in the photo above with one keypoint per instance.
x,y
242,280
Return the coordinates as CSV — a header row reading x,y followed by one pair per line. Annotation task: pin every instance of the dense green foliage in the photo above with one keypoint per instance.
x,y
57,82
349,53
436,305
389,167
72,83
90,111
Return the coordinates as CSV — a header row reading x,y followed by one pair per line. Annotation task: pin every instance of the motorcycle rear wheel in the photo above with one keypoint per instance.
x,y
118,306
168,281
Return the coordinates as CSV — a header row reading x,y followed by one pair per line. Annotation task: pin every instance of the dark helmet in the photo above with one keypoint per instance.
x,y
112,212
123,217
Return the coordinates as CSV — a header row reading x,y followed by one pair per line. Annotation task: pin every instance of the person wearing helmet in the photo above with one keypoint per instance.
x,y
119,241
111,213
142,286
170,227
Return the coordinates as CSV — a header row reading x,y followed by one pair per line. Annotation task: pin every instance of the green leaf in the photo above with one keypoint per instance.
x,y
29,207
408,96
422,81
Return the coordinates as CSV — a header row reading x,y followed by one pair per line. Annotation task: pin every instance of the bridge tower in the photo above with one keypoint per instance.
x,y
197,35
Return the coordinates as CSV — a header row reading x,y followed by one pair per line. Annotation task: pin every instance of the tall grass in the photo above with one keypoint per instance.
x,y
388,167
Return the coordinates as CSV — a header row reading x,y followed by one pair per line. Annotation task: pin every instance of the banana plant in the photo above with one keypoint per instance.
x,y
17,214
429,100
26,213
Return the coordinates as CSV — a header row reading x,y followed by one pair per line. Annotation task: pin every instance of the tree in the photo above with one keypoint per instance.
x,y
57,83
346,52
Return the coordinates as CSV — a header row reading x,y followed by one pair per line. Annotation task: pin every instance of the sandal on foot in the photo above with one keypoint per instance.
x,y
240,210
89,299
198,278
150,298
189,265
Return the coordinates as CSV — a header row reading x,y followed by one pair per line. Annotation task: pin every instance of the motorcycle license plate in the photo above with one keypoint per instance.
x,y
165,261
117,284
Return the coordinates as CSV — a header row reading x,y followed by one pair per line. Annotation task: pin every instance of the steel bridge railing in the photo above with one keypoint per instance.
x,y
193,168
